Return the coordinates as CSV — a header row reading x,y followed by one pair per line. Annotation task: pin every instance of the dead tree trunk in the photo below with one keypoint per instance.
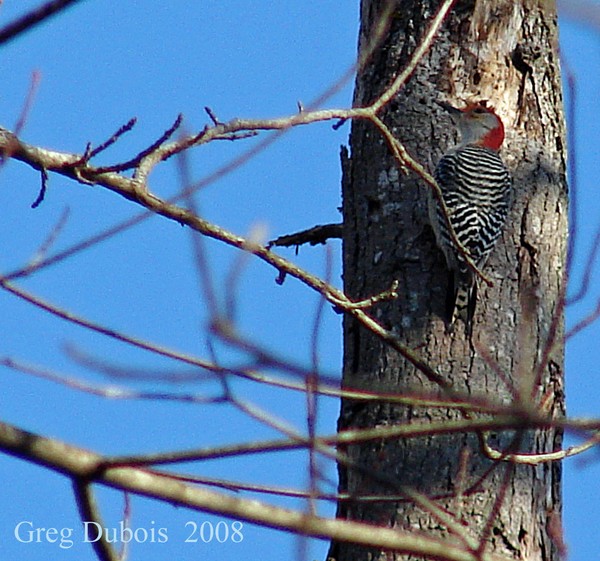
x,y
503,51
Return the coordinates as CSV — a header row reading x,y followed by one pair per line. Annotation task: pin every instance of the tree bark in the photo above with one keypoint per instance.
x,y
503,51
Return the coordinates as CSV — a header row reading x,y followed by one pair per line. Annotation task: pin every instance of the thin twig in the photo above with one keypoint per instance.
x,y
112,333
135,161
43,188
206,287
585,322
355,436
48,242
389,294
587,273
423,46
32,18
312,396
108,392
497,369
36,77
444,517
536,459
63,458
500,497
89,512
572,163
110,141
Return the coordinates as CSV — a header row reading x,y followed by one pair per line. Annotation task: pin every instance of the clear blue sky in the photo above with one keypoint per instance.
x,y
100,66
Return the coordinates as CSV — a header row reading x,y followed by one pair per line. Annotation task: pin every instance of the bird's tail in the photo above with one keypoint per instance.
x,y
461,300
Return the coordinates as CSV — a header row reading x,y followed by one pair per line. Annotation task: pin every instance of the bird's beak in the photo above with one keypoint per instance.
x,y
453,111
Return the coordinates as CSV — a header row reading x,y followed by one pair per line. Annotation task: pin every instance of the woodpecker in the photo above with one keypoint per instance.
x,y
476,187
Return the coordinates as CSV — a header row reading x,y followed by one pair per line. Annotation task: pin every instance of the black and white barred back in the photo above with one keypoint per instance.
x,y
476,187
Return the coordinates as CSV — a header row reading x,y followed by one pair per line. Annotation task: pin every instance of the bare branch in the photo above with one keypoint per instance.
x,y
507,421
536,459
89,512
31,19
33,88
90,153
76,462
390,294
313,236
48,242
135,161
423,46
114,334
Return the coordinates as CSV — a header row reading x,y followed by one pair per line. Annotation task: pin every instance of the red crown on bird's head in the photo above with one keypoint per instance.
x,y
494,137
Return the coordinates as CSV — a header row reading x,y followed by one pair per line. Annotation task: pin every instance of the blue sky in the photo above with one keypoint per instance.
x,y
98,70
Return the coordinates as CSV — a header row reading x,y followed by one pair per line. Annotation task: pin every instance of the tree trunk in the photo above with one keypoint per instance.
x,y
503,51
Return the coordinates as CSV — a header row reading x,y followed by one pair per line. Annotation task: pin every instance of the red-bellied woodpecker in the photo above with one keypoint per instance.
x,y
476,188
